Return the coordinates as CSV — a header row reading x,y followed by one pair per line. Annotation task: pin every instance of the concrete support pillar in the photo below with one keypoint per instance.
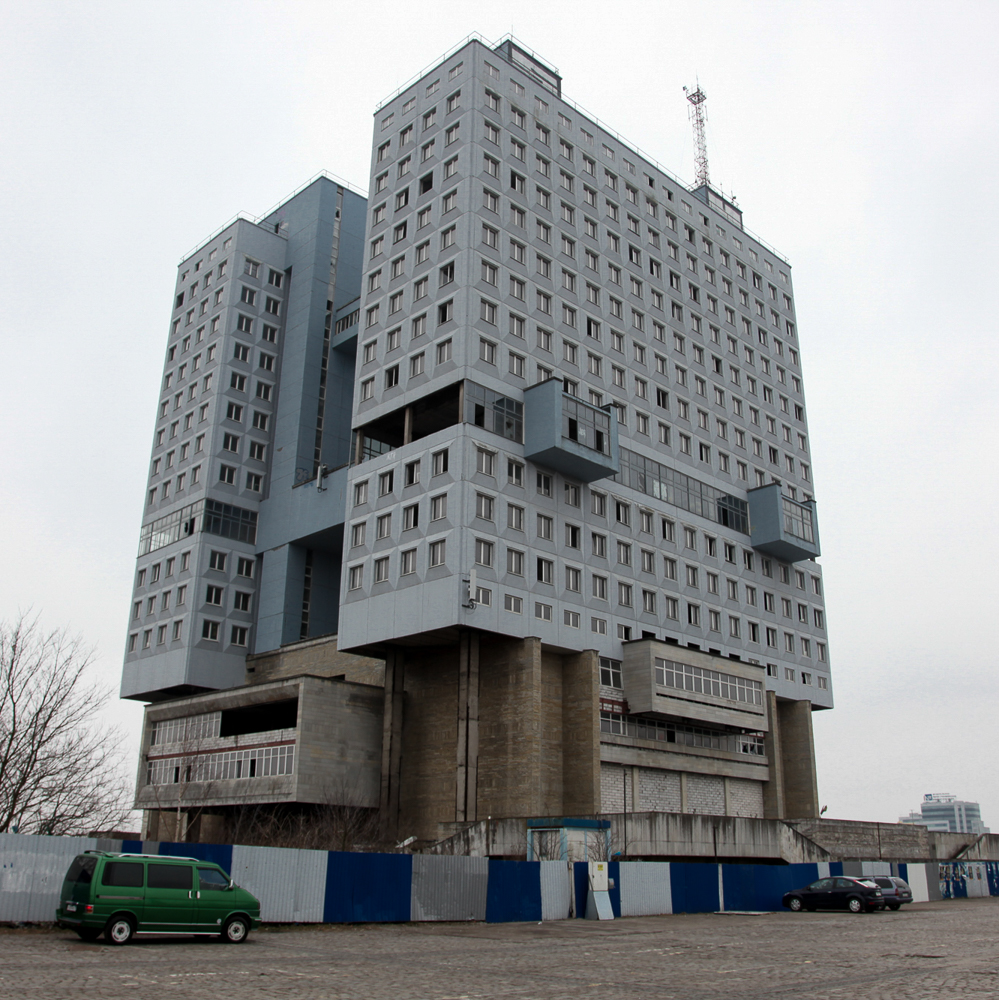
x,y
684,804
392,720
773,790
510,760
581,733
728,796
468,728
801,788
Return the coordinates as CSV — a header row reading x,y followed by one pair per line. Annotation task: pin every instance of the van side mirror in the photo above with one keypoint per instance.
x,y
232,884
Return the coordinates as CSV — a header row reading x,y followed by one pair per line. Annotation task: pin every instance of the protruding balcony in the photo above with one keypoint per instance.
x,y
568,435
661,679
782,527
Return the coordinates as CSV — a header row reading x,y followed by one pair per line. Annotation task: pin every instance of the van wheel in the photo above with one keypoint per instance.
x,y
235,930
119,930
88,933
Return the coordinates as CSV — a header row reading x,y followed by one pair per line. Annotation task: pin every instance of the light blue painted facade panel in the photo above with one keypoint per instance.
x,y
645,888
556,890
449,888
290,884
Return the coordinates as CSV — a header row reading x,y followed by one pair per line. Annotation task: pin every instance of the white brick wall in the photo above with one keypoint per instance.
x,y
659,791
705,794
611,788
745,798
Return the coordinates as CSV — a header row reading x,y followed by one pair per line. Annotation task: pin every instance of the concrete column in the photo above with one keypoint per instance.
x,y
581,733
509,779
728,797
683,792
467,743
636,792
392,720
773,790
801,789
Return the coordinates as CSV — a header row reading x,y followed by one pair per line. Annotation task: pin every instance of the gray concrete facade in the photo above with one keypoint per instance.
x,y
512,240
533,395
253,400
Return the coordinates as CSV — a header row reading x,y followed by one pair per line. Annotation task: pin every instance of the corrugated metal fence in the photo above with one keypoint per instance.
x,y
297,886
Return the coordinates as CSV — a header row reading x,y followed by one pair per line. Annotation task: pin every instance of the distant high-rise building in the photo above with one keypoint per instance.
x,y
941,812
540,450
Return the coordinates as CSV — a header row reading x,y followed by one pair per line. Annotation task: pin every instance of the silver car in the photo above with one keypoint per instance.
x,y
895,890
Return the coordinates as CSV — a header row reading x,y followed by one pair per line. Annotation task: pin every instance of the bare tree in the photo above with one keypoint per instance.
x,y
178,782
60,764
338,823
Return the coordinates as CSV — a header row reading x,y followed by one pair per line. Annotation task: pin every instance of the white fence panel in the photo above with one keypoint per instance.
x,y
449,888
879,868
918,883
290,884
556,889
32,870
645,888
976,879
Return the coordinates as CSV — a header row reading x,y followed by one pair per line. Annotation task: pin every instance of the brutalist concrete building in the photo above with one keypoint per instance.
x,y
508,468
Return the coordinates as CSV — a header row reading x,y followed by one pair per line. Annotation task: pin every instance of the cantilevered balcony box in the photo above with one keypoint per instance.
x,y
681,683
782,527
568,435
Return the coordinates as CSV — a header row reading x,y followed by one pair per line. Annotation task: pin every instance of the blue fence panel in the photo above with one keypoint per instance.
x,y
131,847
761,887
217,854
740,887
368,888
514,891
581,882
694,886
992,871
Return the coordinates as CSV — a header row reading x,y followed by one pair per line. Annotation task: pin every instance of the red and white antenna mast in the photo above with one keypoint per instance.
x,y
697,118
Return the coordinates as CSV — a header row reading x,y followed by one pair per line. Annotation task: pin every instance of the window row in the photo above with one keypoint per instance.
x,y
217,561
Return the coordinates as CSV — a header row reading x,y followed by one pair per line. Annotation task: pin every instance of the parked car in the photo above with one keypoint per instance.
x,y
121,895
858,895
895,890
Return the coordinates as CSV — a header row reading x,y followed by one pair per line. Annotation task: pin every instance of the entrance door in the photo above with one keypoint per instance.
x,y
169,897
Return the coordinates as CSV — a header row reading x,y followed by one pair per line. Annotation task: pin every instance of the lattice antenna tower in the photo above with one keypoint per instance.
x,y
698,117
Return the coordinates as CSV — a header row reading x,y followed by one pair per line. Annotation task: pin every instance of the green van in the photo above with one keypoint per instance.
x,y
121,895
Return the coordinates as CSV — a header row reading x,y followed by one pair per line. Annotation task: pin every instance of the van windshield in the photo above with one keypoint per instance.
x,y
82,870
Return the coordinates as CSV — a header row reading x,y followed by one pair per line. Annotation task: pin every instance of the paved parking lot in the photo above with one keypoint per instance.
x,y
930,950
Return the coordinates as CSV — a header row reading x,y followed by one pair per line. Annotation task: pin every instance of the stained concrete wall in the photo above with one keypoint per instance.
x,y
655,835
849,840
337,747
536,749
319,657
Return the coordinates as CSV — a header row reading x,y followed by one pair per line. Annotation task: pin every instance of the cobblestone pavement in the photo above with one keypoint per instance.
x,y
938,950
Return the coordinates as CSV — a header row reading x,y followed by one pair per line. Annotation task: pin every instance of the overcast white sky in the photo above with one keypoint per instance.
x,y
860,139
